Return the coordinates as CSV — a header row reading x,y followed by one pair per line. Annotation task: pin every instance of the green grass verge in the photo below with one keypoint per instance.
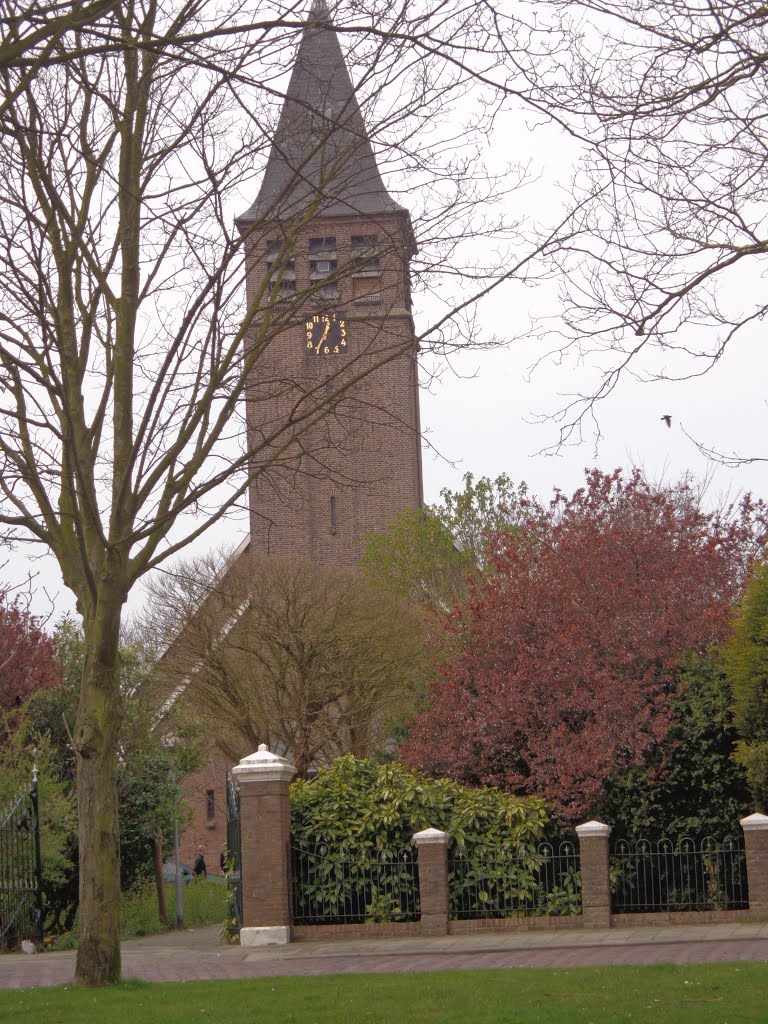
x,y
717,993
203,902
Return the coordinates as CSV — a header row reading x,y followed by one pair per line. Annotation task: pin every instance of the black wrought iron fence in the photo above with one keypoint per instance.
x,y
21,892
483,882
233,859
667,875
343,887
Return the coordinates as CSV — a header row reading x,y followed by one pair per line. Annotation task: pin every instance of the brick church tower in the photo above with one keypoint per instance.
x,y
328,250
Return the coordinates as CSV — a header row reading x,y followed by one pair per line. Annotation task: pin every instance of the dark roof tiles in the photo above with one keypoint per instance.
x,y
321,157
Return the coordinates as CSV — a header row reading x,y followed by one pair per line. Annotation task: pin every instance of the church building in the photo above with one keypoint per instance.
x,y
323,228
327,255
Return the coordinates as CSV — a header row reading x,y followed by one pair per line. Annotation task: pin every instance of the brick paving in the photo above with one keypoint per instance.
x,y
196,955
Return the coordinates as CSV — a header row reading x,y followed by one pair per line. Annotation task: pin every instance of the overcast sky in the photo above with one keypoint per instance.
x,y
480,421
480,415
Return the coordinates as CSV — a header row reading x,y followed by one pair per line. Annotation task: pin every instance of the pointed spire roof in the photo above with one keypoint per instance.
x,y
321,152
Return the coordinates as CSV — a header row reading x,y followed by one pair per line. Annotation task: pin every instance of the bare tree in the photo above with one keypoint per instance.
x,y
668,98
30,34
309,659
125,344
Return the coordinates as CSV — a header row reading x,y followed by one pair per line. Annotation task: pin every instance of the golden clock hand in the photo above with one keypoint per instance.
x,y
325,335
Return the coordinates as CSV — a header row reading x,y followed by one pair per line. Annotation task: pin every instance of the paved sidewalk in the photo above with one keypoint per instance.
x,y
196,955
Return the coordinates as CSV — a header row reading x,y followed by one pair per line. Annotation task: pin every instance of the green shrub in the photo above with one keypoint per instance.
x,y
357,814
360,805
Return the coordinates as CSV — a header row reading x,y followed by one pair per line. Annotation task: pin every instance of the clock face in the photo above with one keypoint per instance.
x,y
326,334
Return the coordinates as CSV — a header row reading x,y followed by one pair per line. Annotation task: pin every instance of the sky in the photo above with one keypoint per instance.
x,y
484,419
481,413
479,417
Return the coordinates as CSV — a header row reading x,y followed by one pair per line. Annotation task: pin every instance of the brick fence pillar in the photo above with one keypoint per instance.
x,y
756,847
265,831
433,880
595,878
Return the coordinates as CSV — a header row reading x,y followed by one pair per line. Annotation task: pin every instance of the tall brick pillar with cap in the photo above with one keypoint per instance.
x,y
432,845
595,877
756,847
265,832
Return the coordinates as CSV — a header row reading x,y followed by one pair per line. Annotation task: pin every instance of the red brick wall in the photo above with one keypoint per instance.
x,y
210,833
265,826
756,846
365,452
433,887
682,917
514,924
595,878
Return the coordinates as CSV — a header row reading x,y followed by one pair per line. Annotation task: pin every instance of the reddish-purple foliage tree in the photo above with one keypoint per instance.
x,y
565,650
27,656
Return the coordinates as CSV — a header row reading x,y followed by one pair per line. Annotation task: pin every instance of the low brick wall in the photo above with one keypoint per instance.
x,y
367,930
266,869
409,929
641,920
574,922
514,924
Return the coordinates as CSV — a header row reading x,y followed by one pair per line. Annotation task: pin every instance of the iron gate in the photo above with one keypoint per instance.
x,y
21,889
234,878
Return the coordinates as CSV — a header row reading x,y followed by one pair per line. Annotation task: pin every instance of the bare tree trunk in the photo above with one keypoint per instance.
x,y
96,737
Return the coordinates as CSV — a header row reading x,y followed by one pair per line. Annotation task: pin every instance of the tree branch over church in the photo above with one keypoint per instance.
x,y
661,276
127,349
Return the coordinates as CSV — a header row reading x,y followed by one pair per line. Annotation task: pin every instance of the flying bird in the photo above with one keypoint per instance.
x,y
668,420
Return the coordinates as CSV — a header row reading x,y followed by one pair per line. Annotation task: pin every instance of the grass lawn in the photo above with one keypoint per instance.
x,y
721,993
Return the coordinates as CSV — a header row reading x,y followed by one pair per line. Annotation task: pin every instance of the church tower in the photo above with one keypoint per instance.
x,y
327,259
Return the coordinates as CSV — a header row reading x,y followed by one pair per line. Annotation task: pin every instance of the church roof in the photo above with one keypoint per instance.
x,y
321,152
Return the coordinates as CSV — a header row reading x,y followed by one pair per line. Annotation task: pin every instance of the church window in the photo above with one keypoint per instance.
x,y
275,249
210,804
282,272
322,257
322,245
364,246
334,528
366,281
366,290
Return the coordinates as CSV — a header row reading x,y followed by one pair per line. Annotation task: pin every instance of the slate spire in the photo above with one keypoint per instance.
x,y
321,152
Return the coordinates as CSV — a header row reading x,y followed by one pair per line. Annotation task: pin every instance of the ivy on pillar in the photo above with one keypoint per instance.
x,y
595,875
756,848
265,834
432,845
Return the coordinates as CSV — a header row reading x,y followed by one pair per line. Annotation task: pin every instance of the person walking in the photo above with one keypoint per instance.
x,y
199,868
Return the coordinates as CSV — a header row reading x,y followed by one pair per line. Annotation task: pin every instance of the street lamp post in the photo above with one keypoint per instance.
x,y
179,886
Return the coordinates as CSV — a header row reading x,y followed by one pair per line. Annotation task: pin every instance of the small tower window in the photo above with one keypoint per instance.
x,y
322,258
334,529
366,290
210,804
366,282
364,247
284,273
322,245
